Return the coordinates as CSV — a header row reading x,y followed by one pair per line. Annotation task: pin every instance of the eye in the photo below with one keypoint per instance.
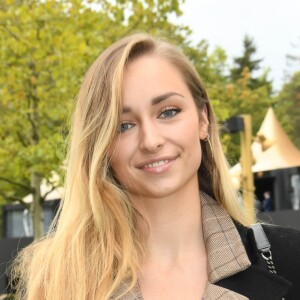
x,y
169,112
124,126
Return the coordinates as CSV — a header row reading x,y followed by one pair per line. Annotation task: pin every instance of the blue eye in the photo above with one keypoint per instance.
x,y
125,126
169,113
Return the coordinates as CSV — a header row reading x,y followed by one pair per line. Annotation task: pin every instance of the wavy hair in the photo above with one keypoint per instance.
x,y
96,243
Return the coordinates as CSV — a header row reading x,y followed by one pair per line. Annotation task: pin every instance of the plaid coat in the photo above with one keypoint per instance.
x,y
235,269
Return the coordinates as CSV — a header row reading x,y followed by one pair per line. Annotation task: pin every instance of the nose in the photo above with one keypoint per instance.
x,y
151,137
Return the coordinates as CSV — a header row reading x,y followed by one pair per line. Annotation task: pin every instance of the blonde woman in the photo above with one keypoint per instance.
x,y
150,211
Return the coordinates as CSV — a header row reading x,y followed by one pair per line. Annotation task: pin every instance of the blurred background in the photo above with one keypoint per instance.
x,y
246,52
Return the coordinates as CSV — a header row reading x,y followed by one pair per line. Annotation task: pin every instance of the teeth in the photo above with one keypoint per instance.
x,y
156,164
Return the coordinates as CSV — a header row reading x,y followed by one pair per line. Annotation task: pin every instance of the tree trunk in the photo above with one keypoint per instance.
x,y
33,117
36,207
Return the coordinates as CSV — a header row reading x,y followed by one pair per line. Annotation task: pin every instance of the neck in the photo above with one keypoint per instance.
x,y
175,226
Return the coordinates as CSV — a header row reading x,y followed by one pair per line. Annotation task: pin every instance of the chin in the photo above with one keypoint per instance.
x,y
159,192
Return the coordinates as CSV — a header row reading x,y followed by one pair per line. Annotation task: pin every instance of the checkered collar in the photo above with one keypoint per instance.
x,y
226,253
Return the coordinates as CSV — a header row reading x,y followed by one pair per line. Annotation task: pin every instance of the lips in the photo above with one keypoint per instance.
x,y
158,165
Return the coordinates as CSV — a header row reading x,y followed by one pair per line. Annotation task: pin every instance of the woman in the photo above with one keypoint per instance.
x,y
150,211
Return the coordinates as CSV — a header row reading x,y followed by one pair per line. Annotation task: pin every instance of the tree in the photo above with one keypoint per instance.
x,y
288,107
239,93
293,60
46,46
252,65
236,98
229,96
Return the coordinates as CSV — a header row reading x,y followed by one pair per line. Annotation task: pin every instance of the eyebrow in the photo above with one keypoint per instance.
x,y
154,101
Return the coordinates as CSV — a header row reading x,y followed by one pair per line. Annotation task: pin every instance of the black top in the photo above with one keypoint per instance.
x,y
256,282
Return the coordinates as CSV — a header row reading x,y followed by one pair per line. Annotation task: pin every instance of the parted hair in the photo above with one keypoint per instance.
x,y
96,242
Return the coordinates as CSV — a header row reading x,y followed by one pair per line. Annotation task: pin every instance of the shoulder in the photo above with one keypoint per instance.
x,y
284,241
285,245
278,232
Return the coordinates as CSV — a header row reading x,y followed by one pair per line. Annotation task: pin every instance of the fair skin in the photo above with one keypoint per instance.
x,y
156,157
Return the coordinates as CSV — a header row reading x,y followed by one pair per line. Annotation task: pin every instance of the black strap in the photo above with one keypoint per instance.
x,y
263,246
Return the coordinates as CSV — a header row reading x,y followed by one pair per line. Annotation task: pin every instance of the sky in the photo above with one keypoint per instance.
x,y
273,24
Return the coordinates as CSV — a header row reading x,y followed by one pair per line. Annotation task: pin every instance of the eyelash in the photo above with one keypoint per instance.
x,y
125,123
174,111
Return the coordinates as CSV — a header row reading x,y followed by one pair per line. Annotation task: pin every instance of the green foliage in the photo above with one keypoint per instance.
x,y
235,94
231,98
252,65
46,47
288,108
242,93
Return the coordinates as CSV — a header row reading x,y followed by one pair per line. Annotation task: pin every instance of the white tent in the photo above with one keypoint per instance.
x,y
271,150
278,152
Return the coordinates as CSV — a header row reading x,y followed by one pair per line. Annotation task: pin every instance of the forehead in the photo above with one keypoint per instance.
x,y
149,76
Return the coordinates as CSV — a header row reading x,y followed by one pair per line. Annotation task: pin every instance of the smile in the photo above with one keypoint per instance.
x,y
156,164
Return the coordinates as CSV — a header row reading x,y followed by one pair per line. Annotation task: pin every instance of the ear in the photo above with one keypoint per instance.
x,y
203,125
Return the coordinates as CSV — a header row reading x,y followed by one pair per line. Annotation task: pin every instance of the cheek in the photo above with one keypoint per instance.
x,y
119,159
191,130
114,156
192,140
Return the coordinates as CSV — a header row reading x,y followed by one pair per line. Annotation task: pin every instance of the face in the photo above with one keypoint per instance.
x,y
157,151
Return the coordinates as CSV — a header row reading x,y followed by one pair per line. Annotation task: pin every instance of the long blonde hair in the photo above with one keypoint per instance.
x,y
96,243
